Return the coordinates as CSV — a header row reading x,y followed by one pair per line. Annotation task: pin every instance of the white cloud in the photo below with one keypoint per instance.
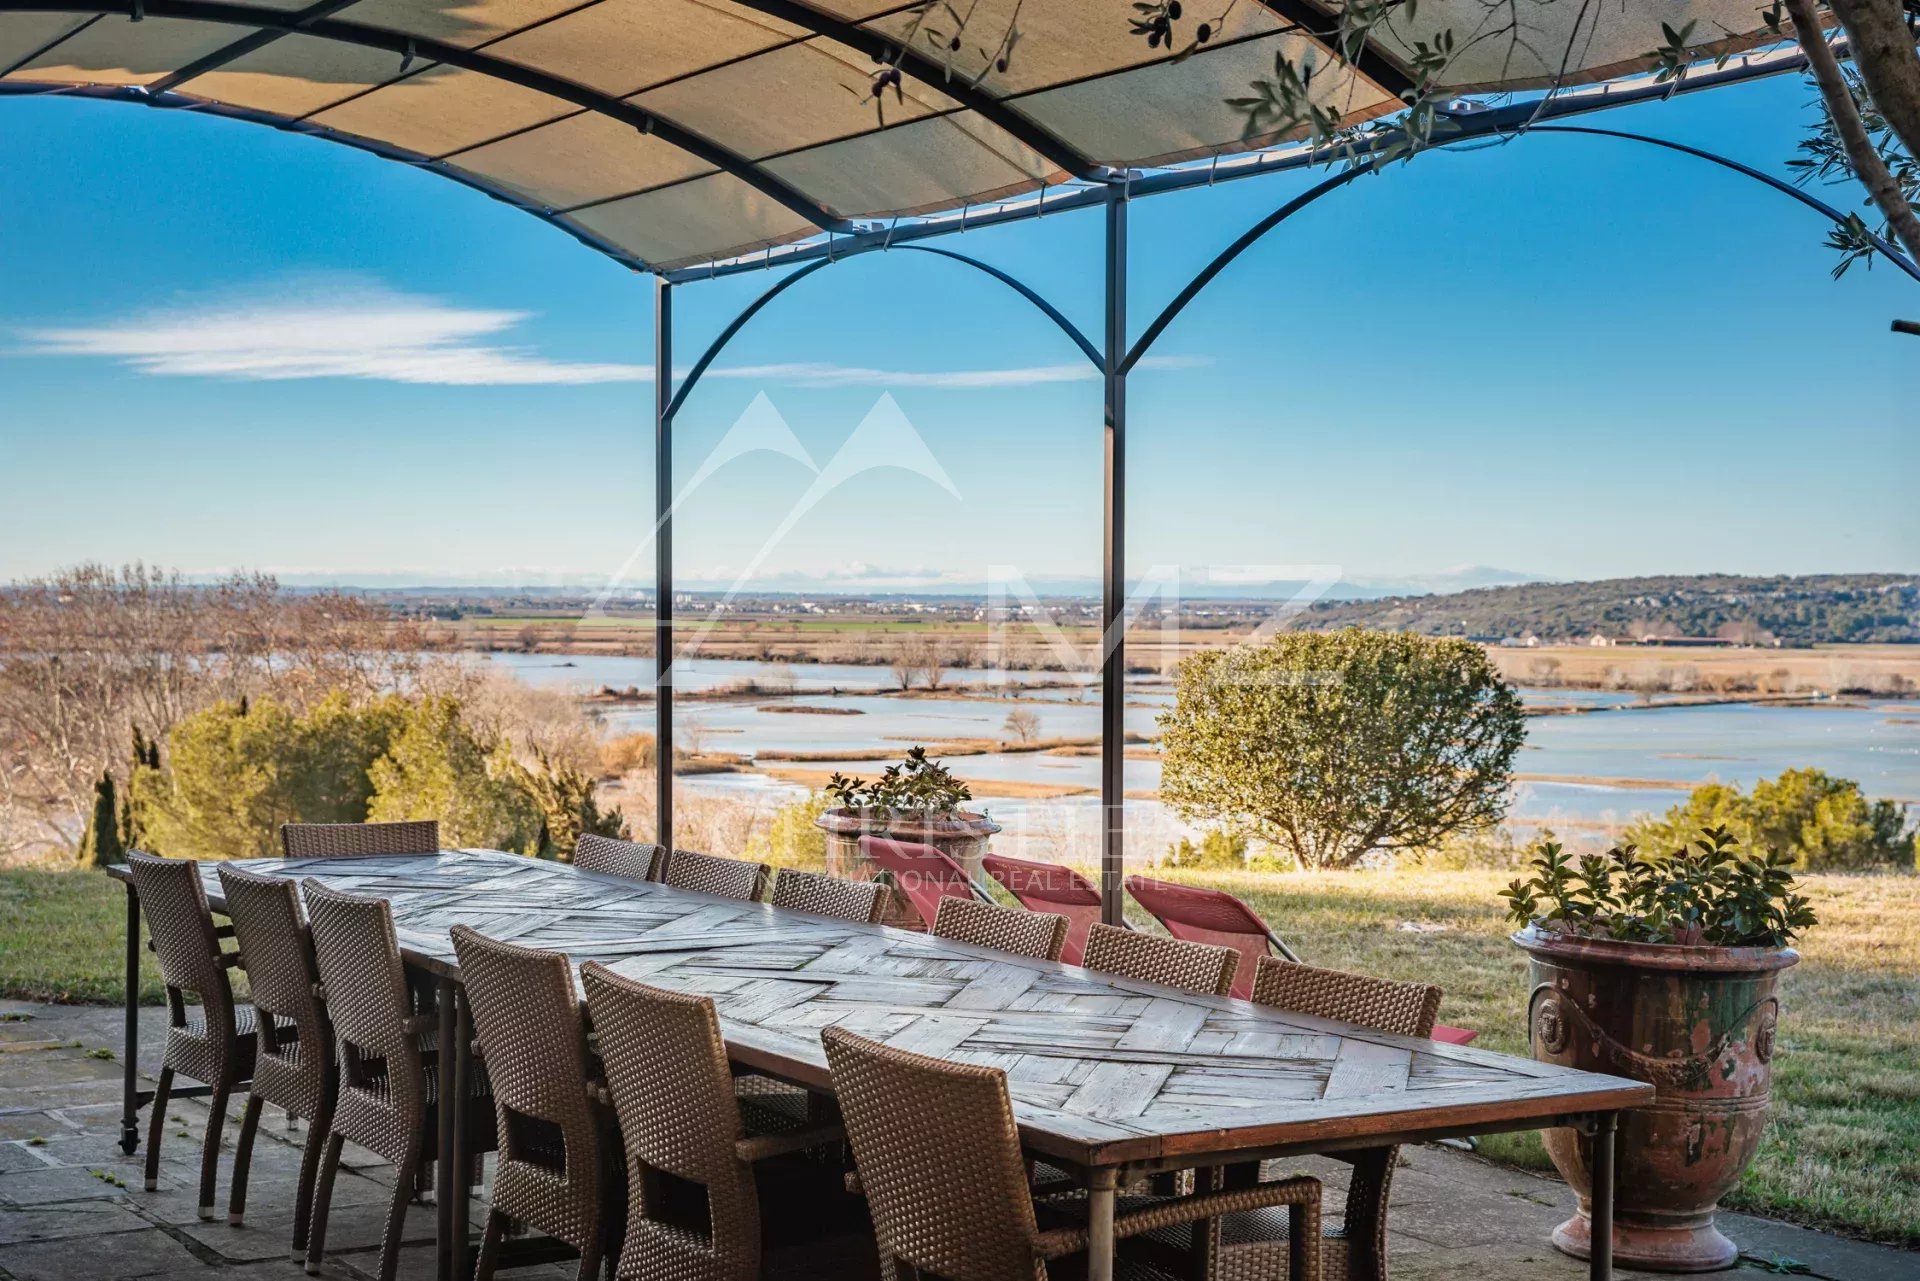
x,y
366,332
368,335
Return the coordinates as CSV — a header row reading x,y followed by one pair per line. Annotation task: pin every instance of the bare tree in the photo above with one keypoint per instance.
x,y
88,654
1023,725
932,661
903,659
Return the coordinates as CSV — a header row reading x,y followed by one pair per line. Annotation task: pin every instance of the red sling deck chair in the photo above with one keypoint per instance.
x,y
1049,887
1213,916
921,872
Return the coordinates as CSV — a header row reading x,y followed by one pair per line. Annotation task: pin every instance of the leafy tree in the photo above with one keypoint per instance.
x,y
101,846
1334,745
569,807
437,767
1819,822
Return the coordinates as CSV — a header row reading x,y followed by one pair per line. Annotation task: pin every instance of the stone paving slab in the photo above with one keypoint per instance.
x,y
72,1207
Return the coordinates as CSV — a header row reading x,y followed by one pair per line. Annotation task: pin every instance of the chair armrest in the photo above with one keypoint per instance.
x,y
762,1146
1301,1192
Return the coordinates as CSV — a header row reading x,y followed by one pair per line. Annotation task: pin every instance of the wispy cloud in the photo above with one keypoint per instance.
x,y
371,333
365,334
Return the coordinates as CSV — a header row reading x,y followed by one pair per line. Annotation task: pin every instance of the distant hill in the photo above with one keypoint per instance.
x,y
1808,609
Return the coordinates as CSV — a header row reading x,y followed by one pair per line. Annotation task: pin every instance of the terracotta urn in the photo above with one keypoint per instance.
x,y
961,836
1697,1023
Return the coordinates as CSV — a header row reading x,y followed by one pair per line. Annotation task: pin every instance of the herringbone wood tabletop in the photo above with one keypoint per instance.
x,y
1102,1071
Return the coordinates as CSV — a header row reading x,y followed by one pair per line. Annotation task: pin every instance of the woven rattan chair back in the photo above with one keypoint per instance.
x,y
829,896
1406,1009
1357,1248
294,1064
1050,887
359,840
615,857
1004,929
1149,958
939,1159
527,1020
386,1100
710,874
383,1097
211,1041
175,901
673,1092
277,950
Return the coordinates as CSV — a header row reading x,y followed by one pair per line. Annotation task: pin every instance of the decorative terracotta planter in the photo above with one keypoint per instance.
x,y
961,836
1698,1024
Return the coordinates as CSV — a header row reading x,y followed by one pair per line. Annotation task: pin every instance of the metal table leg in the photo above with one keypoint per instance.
x,y
1600,1259
458,1083
443,1180
130,1051
1101,1185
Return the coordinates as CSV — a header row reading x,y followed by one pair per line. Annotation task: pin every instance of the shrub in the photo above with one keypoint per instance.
x,y
1821,823
1220,849
791,839
1707,891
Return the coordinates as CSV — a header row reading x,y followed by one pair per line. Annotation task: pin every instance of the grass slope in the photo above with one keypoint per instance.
x,y
1843,1150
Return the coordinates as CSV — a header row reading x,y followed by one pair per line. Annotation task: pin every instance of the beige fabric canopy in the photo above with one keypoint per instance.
x,y
676,132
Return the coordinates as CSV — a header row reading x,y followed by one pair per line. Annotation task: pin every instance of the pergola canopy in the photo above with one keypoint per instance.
x,y
678,132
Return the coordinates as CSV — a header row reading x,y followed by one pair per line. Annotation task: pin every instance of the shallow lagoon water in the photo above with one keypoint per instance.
x,y
1605,757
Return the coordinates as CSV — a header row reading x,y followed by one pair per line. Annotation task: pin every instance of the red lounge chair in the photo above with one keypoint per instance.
x,y
1213,916
921,872
1049,887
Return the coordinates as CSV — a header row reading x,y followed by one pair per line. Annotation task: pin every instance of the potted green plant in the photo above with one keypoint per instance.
x,y
917,799
1661,968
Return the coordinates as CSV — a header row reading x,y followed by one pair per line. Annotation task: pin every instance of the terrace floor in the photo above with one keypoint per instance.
x,y
71,1208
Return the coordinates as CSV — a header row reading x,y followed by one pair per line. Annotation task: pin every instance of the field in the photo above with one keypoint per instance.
x,y
1843,1151
872,639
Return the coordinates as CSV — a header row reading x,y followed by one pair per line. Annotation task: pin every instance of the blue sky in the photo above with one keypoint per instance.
x,y
1566,357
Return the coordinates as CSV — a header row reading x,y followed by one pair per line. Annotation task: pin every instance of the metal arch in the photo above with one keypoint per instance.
x,y
1280,215
135,96
880,48
428,50
752,309
1234,250
1887,250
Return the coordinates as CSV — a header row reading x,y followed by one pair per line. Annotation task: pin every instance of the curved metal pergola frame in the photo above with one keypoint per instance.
x,y
1114,361
1114,358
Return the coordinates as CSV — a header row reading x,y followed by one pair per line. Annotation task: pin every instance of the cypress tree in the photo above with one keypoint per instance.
x,y
100,846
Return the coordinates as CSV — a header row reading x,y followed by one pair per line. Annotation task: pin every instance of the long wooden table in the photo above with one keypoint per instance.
x,y
1112,1078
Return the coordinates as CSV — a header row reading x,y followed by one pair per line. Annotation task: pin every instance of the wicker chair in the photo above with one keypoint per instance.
x,y
631,859
939,1157
212,1041
1357,1248
711,874
294,1068
1004,929
1149,958
1050,887
359,840
693,1203
527,1021
1204,915
389,1081
829,896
